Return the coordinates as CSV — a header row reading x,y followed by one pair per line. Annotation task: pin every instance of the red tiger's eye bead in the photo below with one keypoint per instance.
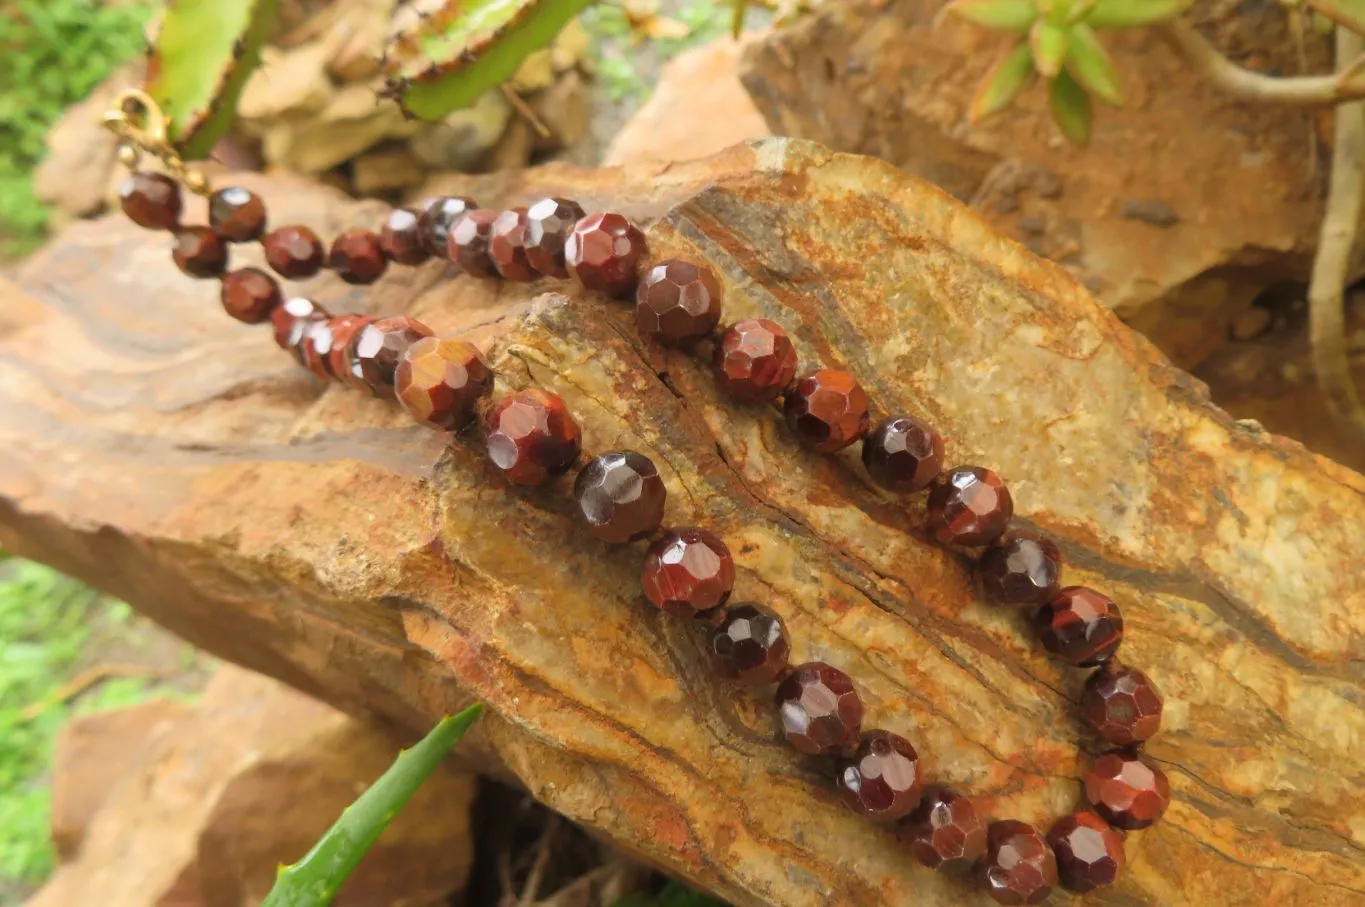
x,y
1020,571
1126,790
236,214
755,360
374,352
1122,704
677,302
1020,867
603,252
401,238
819,710
750,646
688,572
150,200
946,831
1081,626
468,243
548,225
250,295
319,338
882,780
507,246
969,505
357,257
440,382
827,410
293,252
344,329
1089,852
903,454
438,217
199,252
531,436
620,496
292,319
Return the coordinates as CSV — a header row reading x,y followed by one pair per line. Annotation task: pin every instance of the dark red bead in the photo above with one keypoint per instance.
x,y
1081,626
903,454
819,710
507,246
374,352
1020,571
438,217
1019,865
150,200
827,410
946,831
468,243
344,329
532,437
401,238
548,225
1089,851
293,252
677,302
292,319
620,496
603,252
236,214
1122,704
688,572
319,339
1126,790
357,257
750,646
440,382
250,295
882,779
755,360
200,252
969,505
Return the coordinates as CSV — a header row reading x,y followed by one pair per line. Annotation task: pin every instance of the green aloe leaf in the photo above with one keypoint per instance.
x,y
1004,15
1132,13
1049,44
1347,13
1089,64
200,62
1071,109
1006,78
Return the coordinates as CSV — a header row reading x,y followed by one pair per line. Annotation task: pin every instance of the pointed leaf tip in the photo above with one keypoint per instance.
x,y
1003,15
1071,108
1004,81
1090,65
1048,43
1133,13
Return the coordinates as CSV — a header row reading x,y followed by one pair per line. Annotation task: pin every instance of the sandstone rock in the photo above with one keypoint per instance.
x,y
387,170
353,121
288,83
458,141
81,153
565,110
356,40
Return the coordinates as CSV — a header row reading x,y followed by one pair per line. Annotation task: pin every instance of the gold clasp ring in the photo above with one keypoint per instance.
x,y
137,119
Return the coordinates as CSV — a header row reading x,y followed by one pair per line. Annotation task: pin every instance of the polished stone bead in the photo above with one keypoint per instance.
x,y
827,410
532,437
548,225
620,496
292,319
1081,626
755,360
319,339
468,243
945,831
507,246
603,253
249,295
688,572
401,238
750,646
903,454
440,382
677,302
344,329
1126,790
819,710
293,252
357,257
969,505
438,217
199,252
236,214
1122,704
375,351
1019,865
150,200
1020,571
882,780
1089,851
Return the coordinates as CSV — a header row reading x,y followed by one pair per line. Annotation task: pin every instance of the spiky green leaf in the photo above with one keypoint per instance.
x,y
1005,80
1133,13
1090,65
1071,109
1347,13
1049,43
1003,15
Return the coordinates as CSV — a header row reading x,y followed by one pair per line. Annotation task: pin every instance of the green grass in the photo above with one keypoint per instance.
x,y
52,54
617,46
673,895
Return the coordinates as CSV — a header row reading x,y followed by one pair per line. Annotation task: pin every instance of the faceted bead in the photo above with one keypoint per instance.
x,y
750,646
376,349
903,454
468,243
1081,626
1020,571
548,224
319,339
1126,790
1089,851
150,200
1122,704
438,217
946,831
250,295
969,505
755,360
293,252
344,329
1019,865
620,496
688,572
401,238
532,437
292,319
827,410
236,214
507,246
603,252
199,252
357,257
882,780
677,302
819,710
440,382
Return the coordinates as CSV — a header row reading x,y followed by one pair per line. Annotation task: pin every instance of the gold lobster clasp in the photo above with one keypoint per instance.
x,y
142,128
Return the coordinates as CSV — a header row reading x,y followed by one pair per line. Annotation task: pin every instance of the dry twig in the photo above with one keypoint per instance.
x,y
1255,86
